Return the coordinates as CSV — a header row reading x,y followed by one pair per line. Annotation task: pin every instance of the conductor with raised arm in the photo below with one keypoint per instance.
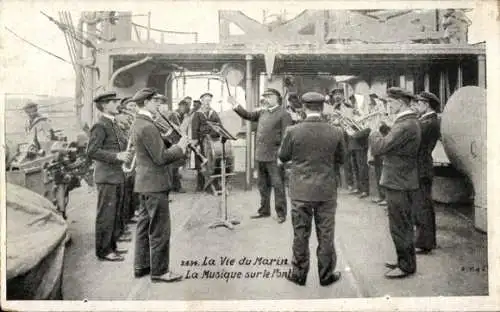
x,y
272,122
153,183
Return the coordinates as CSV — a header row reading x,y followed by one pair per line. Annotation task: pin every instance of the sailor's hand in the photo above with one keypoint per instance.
x,y
124,156
231,100
279,162
183,143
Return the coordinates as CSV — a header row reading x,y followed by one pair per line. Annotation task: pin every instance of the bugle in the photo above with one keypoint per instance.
x,y
170,128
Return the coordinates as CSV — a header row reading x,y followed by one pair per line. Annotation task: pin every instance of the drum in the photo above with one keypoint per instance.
x,y
212,149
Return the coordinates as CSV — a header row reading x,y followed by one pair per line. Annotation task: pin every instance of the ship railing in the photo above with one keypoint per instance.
x,y
143,33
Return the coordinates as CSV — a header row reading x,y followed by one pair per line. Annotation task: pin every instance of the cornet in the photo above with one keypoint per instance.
x,y
349,125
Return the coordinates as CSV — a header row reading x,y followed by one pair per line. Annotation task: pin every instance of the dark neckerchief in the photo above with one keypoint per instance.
x,y
36,120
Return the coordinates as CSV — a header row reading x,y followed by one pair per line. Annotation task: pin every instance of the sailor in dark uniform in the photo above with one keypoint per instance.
x,y
295,108
182,111
166,109
272,122
340,105
399,149
196,107
315,150
152,245
107,144
427,106
200,131
130,199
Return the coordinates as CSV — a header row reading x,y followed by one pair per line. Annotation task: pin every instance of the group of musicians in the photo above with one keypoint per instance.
x,y
305,144
309,142
401,146
130,131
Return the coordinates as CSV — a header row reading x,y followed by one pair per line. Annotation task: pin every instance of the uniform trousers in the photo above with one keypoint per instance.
x,y
128,201
176,179
152,243
400,208
324,218
108,219
200,178
425,216
347,167
270,175
377,164
360,169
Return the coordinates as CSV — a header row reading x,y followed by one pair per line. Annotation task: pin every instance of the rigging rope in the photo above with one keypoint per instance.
x,y
34,45
70,42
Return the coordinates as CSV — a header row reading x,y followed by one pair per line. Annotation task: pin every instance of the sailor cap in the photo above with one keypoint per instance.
x,y
106,96
433,100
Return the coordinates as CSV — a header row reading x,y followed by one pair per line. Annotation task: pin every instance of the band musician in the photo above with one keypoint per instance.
x,y
295,108
340,105
152,245
314,149
175,118
107,144
358,144
377,105
399,148
200,129
126,118
272,122
427,106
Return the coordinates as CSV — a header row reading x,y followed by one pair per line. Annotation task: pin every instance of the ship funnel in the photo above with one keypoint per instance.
x,y
463,134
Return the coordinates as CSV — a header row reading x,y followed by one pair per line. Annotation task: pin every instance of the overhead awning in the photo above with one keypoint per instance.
x,y
303,58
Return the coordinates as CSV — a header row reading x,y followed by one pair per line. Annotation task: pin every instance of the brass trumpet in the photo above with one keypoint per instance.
x,y
349,125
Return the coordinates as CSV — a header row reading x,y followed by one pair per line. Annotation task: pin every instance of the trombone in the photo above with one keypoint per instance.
x,y
167,128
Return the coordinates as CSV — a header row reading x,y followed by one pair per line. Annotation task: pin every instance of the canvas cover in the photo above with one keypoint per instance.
x,y
36,236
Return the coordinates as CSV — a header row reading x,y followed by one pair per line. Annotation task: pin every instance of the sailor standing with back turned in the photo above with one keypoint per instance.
x,y
315,150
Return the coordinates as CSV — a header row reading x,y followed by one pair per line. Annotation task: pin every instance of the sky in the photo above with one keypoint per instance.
x,y
25,69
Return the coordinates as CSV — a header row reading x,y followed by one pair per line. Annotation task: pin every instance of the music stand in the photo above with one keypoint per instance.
x,y
224,218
